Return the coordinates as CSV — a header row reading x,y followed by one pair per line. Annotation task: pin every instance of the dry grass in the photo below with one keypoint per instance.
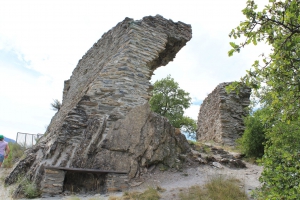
x,y
251,160
95,198
73,198
149,194
30,189
218,188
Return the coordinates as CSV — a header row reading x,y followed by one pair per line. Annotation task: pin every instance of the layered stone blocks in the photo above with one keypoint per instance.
x,y
116,182
53,182
221,115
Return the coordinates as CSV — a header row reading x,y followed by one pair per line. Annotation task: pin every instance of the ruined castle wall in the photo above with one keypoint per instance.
x,y
120,64
221,115
110,79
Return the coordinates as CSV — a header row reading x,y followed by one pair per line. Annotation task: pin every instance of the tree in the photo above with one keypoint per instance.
x,y
281,177
169,101
252,142
276,82
277,77
56,105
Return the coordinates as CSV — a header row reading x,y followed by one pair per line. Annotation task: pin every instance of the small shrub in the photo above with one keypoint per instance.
x,y
30,189
252,142
56,105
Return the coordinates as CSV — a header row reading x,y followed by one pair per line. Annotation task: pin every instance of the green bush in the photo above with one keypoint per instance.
x,y
252,142
16,152
30,189
281,174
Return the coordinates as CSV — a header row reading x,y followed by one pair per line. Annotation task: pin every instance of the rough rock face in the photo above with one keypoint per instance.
x,y
110,80
140,140
221,115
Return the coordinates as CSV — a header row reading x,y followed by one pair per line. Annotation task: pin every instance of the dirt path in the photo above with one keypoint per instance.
x,y
4,191
173,181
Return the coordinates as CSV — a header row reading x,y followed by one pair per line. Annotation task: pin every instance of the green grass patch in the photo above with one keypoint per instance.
x,y
30,189
150,194
16,153
218,188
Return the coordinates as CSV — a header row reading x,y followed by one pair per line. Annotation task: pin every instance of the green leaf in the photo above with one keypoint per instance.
x,y
230,52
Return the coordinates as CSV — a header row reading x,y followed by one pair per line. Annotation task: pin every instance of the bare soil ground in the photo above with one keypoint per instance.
x,y
172,181
5,192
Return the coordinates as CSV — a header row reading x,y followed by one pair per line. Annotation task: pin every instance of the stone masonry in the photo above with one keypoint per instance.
x,y
221,115
53,182
110,79
116,182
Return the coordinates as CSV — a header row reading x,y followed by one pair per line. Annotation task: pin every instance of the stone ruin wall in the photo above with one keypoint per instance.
x,y
220,118
110,79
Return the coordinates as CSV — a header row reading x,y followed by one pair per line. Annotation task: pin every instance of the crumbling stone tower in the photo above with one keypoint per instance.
x,y
110,79
220,118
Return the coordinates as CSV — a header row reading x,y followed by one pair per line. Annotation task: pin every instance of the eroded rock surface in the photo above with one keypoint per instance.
x,y
111,79
140,140
221,115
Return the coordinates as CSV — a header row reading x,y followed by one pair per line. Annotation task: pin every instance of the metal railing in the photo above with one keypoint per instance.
x,y
27,139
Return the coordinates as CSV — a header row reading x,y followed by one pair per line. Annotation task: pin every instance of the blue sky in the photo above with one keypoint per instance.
x,y
41,42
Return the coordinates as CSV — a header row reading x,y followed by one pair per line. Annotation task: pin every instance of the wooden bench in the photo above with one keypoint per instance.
x,y
84,170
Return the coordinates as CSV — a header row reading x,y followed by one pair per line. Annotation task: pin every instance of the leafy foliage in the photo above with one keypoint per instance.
x,y
276,82
278,75
252,142
56,105
170,101
281,175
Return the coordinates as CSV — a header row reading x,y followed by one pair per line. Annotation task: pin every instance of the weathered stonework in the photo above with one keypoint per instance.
x,y
116,182
53,182
110,79
221,115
